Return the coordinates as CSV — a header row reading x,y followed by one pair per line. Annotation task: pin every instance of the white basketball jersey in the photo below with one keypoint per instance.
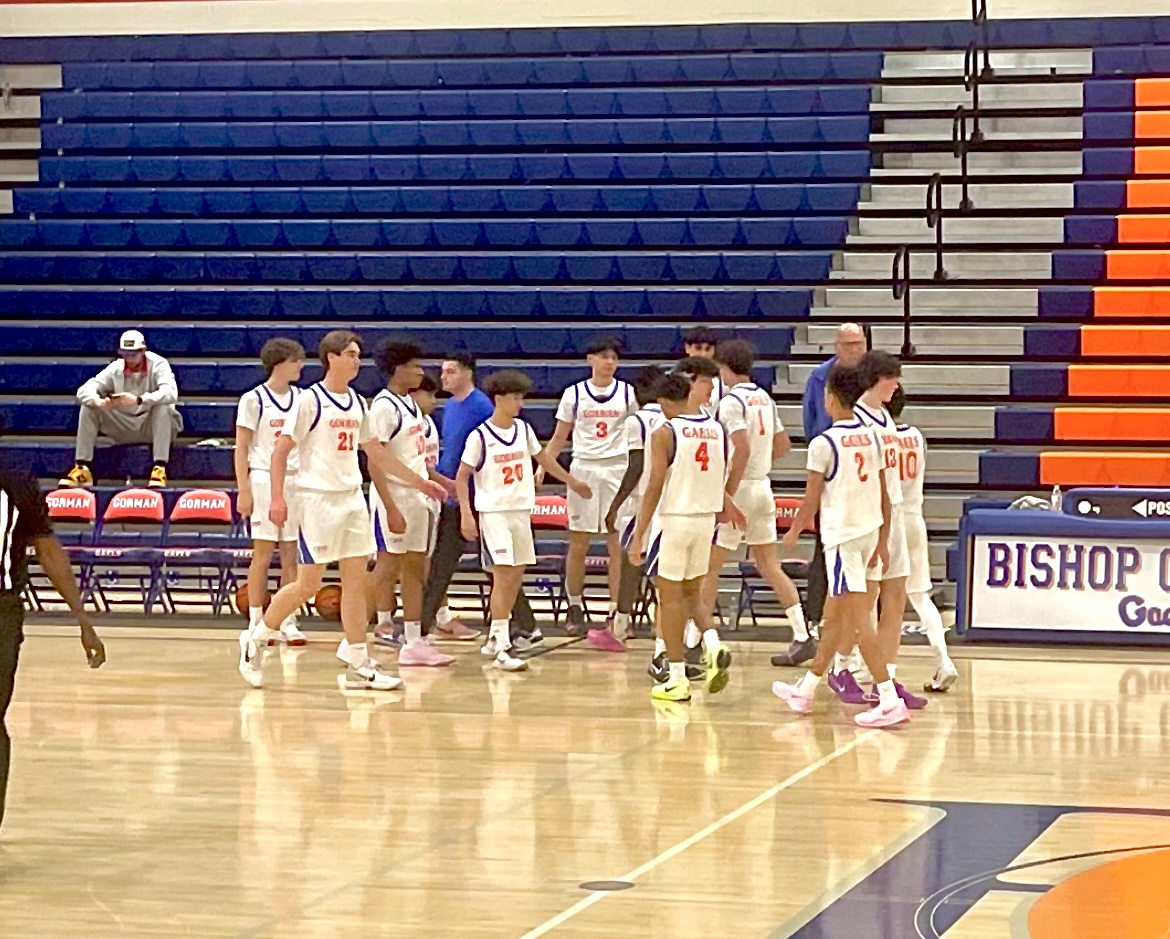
x,y
750,408
850,458
502,461
887,431
640,426
432,438
328,431
911,467
265,413
598,416
400,424
698,470
718,390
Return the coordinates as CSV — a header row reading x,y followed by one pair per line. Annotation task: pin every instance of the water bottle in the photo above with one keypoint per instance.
x,y
1057,501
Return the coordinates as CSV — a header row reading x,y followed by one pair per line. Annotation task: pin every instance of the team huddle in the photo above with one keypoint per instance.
x,y
672,472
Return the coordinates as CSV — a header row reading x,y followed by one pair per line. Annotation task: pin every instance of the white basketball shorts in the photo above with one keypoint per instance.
x,y
847,565
334,525
680,546
416,509
754,498
263,529
505,539
603,477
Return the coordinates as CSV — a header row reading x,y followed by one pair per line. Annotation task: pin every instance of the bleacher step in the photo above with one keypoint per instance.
x,y
1030,229
1002,61
20,138
31,77
940,132
20,108
960,339
926,299
922,379
1022,128
1015,161
949,464
18,171
982,195
5,202
976,422
949,96
999,264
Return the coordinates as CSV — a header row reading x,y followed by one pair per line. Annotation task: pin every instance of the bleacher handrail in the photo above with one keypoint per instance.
x,y
979,27
900,284
972,76
961,146
934,221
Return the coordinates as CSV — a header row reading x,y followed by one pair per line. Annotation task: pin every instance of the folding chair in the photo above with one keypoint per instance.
x,y
129,536
198,541
73,513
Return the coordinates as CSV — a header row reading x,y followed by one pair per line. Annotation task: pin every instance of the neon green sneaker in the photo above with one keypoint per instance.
x,y
717,663
672,691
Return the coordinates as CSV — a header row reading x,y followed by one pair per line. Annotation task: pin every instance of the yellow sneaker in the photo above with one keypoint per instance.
x,y
78,476
672,691
158,478
717,662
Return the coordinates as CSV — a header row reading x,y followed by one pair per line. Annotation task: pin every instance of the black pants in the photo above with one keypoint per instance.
x,y
818,585
10,639
449,548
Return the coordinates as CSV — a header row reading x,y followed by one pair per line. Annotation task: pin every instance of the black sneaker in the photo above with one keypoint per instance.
x,y
695,672
799,652
576,621
659,668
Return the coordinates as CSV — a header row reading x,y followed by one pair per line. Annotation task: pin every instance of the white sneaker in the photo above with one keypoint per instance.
x,y
343,651
859,669
508,663
488,649
370,677
251,660
944,676
291,634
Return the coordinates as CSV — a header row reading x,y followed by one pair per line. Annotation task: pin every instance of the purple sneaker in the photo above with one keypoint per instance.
x,y
846,688
912,701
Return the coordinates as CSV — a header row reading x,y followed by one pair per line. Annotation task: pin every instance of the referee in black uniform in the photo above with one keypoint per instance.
x,y
24,524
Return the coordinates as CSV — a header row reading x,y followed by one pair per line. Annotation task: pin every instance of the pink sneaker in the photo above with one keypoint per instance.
x,y
455,629
797,700
606,641
883,717
423,655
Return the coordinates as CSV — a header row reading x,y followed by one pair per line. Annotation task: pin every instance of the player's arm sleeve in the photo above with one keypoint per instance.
x,y
248,412
100,386
168,389
567,408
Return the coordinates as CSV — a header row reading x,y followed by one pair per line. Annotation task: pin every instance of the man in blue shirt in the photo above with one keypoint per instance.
x,y
465,410
850,346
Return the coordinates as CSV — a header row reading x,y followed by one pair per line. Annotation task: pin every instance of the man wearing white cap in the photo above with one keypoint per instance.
x,y
131,400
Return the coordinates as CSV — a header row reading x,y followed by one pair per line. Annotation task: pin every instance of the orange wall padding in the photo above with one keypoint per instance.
x,y
1132,301
1152,161
1151,125
1087,468
1147,194
1136,341
1143,229
1151,92
1119,381
1118,425
1137,265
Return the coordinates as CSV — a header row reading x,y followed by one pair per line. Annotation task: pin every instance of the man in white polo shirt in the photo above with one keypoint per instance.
x,y
131,400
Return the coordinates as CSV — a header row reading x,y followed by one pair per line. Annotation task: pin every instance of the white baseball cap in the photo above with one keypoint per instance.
x,y
132,341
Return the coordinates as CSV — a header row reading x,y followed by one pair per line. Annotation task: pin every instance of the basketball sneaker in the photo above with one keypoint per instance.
x,y
423,654
389,636
672,690
455,629
944,676
369,677
799,651
716,662
797,700
251,660
659,670
605,640
912,701
78,476
878,716
158,477
291,634
576,620
846,688
508,663
488,649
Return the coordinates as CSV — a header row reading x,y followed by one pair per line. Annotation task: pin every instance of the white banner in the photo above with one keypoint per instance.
x,y
1064,585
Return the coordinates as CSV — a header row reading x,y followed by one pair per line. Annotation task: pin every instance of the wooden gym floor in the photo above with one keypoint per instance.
x,y
160,797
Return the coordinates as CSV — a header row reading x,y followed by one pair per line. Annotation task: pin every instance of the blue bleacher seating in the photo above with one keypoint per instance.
x,y
1078,265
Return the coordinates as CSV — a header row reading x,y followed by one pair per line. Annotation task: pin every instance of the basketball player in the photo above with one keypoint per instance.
x,y
424,396
398,423
845,486
912,471
260,418
749,417
329,424
880,374
684,498
593,412
700,342
498,458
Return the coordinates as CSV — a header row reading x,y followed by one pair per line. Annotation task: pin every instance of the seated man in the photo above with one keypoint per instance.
x,y
131,400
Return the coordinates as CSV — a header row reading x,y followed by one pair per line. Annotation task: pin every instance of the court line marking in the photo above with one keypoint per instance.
x,y
766,796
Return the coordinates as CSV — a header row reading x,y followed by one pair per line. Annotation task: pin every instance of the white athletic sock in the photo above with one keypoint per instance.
x,y
575,601
678,672
261,634
499,632
710,640
659,647
612,608
621,622
931,620
840,663
255,614
357,653
692,637
887,694
808,683
795,616
385,618
892,668
413,631
443,616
